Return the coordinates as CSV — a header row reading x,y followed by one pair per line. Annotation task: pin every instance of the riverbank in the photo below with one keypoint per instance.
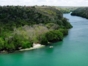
x,y
35,46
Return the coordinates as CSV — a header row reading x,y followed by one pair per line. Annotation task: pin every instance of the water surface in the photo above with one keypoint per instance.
x,y
72,51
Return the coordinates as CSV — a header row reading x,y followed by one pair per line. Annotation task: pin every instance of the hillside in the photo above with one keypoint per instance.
x,y
83,12
20,16
66,9
21,26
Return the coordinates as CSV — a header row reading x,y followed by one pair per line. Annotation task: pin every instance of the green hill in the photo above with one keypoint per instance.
x,y
66,9
83,12
21,26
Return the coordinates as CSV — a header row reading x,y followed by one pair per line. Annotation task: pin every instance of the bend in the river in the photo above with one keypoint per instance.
x,y
72,51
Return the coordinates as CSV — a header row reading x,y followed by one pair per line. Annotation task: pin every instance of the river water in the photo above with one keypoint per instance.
x,y
72,51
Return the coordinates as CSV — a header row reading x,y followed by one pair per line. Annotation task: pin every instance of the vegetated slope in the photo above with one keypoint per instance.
x,y
83,12
21,26
66,9
20,16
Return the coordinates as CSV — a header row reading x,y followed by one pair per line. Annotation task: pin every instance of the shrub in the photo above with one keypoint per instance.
x,y
43,40
1,43
51,36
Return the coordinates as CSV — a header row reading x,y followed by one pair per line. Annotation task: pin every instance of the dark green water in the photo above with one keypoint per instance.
x,y
72,51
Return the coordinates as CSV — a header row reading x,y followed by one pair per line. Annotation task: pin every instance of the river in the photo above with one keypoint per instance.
x,y
72,51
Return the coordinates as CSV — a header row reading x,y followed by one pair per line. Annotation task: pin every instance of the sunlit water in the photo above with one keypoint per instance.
x,y
72,51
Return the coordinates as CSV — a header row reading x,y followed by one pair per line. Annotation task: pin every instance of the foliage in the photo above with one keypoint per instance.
x,y
1,43
83,12
20,26
52,26
53,36
66,9
43,40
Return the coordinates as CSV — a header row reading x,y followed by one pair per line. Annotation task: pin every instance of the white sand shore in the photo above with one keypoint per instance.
x,y
35,46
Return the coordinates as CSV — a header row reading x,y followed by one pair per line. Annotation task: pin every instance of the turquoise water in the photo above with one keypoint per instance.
x,y
72,51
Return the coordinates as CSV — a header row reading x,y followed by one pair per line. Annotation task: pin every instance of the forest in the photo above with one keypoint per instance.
x,y
66,9
82,11
21,26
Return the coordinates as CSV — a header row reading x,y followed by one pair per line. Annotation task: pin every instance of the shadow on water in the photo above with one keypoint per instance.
x,y
52,47
59,44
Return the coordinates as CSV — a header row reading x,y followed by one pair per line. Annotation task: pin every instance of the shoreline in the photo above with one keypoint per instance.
x,y
35,46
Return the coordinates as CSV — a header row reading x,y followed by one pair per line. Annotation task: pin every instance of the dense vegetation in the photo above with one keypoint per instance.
x,y
21,26
66,9
83,12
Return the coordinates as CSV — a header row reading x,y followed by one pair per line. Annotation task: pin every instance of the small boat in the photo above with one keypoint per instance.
x,y
51,47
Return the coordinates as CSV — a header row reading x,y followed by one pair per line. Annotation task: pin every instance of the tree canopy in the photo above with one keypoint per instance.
x,y
83,12
20,26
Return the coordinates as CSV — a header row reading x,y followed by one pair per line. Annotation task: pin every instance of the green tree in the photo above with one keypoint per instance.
x,y
1,44
43,40
51,36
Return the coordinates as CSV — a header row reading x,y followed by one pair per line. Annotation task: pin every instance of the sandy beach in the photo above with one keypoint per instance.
x,y
35,46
